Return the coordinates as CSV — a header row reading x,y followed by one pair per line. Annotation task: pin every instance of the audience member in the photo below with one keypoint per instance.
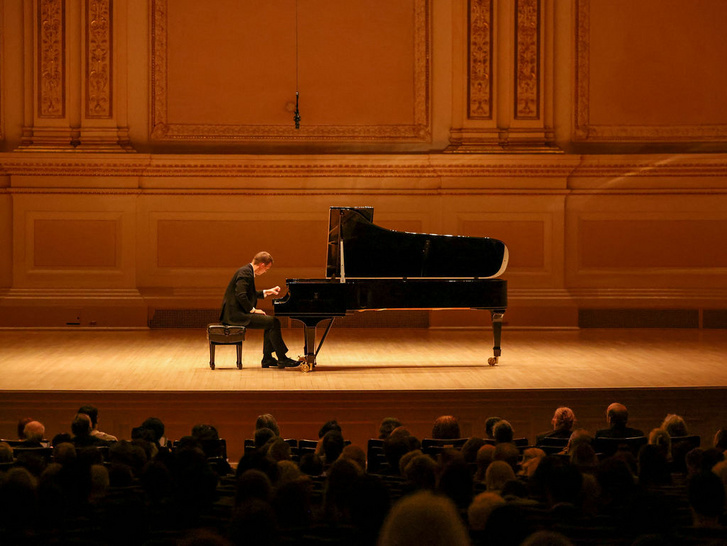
x,y
355,454
489,424
446,427
388,424
503,432
563,421
33,432
485,456
328,426
497,475
531,459
508,453
266,420
720,440
21,426
81,429
481,508
706,499
471,447
675,425
617,417
92,412
423,518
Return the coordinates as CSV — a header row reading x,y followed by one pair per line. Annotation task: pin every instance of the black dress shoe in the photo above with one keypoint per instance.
x,y
269,361
286,362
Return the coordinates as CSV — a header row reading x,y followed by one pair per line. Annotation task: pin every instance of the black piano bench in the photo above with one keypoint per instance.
x,y
225,334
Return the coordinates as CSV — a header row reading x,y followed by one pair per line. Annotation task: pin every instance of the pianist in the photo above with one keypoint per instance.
x,y
239,308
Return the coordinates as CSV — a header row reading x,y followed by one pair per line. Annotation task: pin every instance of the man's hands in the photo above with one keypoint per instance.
x,y
274,291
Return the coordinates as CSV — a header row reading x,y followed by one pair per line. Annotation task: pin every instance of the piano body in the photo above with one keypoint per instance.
x,y
372,268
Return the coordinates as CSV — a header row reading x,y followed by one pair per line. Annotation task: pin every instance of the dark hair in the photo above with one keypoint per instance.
x,y
156,426
266,420
387,425
489,424
328,426
21,426
81,426
502,431
91,411
445,427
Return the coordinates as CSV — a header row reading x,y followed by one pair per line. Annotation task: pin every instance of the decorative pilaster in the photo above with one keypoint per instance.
x,y
478,131
47,127
528,129
101,130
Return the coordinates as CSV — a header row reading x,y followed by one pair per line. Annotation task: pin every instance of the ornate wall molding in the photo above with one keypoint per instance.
x,y
51,59
99,58
165,129
424,166
479,59
527,59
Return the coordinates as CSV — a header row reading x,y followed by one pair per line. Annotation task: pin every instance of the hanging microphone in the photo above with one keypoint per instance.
x,y
296,115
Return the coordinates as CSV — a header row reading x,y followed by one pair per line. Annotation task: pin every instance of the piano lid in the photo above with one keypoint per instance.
x,y
357,248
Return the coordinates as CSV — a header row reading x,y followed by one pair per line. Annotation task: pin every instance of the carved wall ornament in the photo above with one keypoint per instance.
x,y
479,59
51,59
165,129
527,59
99,58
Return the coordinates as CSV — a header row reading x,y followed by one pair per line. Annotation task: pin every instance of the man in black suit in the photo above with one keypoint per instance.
x,y
617,416
239,308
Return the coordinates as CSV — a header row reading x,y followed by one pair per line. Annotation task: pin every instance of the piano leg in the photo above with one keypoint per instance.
x,y
497,333
309,348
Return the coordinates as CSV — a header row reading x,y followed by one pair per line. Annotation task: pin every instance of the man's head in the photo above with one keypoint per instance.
x,y
92,412
34,431
262,262
617,415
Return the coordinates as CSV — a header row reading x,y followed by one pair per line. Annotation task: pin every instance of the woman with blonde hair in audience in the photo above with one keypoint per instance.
x,y
497,475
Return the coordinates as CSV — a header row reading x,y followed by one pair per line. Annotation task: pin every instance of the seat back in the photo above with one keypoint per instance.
x,y
608,446
375,459
434,446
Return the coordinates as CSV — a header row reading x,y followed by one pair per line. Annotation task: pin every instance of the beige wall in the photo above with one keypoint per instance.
x,y
148,147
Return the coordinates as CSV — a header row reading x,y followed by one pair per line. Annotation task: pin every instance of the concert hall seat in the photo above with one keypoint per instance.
x,y
434,446
552,445
606,447
225,334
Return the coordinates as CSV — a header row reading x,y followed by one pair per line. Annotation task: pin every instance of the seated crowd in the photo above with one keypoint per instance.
x,y
617,485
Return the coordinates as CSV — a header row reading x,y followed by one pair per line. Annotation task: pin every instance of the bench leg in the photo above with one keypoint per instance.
x,y
212,355
238,346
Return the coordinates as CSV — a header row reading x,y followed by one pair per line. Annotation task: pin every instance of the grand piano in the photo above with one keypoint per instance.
x,y
371,268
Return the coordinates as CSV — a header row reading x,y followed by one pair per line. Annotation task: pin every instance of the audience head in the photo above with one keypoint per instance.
x,y
481,508
675,425
661,438
332,445
34,431
92,413
328,426
266,420
420,471
81,426
262,436
21,426
423,518
471,447
503,432
577,437
446,427
720,439
6,453
509,453
388,424
497,475
531,459
156,426
355,454
706,498
617,415
563,419
489,424
311,464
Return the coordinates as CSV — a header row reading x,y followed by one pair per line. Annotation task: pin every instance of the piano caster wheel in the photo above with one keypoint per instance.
x,y
492,361
305,367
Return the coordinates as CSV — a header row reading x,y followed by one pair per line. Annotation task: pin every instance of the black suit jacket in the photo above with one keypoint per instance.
x,y
240,297
619,432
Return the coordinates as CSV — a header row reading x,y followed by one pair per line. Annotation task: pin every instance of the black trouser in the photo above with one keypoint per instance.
x,y
272,338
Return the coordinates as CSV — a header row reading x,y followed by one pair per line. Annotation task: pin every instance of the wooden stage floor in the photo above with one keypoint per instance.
x,y
362,376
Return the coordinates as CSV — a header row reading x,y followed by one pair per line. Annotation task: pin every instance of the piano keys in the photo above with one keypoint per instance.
x,y
371,268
